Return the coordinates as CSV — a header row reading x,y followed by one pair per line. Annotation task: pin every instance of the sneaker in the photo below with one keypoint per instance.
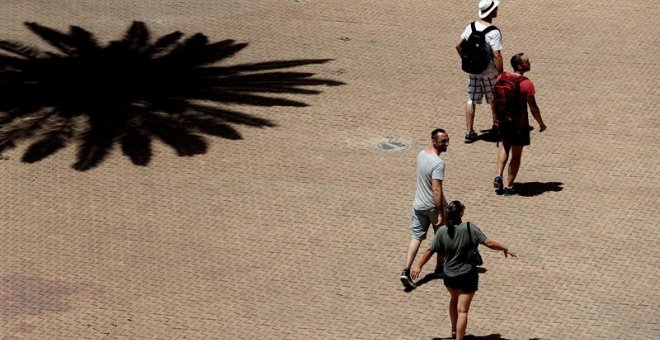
x,y
471,137
498,183
406,280
508,191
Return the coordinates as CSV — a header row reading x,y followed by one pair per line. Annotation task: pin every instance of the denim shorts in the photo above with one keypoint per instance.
x,y
421,220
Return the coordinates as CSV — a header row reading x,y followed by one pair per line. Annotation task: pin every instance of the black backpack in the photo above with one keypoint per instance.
x,y
474,54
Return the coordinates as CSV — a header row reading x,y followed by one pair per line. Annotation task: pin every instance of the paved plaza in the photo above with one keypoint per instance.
x,y
299,231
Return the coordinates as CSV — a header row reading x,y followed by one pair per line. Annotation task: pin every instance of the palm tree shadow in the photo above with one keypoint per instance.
x,y
530,189
133,90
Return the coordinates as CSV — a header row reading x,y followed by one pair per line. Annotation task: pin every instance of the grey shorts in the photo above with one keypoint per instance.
x,y
480,87
421,221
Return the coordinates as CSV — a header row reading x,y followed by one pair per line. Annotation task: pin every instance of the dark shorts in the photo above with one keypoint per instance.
x,y
468,282
515,136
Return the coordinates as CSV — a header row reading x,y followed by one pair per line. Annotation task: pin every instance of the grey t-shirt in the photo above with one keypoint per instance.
x,y
429,167
455,247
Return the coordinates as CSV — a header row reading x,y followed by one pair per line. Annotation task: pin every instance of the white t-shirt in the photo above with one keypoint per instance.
x,y
429,167
494,40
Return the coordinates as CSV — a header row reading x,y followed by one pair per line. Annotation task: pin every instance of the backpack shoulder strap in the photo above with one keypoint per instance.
x,y
473,27
490,28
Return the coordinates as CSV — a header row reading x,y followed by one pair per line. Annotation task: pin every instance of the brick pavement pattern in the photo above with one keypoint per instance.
x,y
300,231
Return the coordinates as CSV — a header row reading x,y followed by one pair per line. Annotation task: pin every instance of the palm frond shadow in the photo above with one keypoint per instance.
x,y
133,90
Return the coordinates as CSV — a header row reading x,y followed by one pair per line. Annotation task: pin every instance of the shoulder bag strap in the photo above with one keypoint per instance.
x,y
470,235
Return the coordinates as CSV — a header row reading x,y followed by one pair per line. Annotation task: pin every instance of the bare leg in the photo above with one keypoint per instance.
x,y
453,308
469,117
412,252
502,158
464,300
514,165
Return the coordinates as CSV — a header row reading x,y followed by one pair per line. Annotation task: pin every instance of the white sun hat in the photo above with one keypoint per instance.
x,y
487,6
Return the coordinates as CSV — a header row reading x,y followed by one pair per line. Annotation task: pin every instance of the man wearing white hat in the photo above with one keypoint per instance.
x,y
482,84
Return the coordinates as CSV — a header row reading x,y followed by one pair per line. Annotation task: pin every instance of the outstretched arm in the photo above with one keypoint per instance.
x,y
417,268
492,244
536,113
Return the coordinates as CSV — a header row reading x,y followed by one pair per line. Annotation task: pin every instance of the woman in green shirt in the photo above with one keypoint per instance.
x,y
453,241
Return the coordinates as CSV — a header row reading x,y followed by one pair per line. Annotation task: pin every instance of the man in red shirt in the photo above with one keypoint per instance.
x,y
515,139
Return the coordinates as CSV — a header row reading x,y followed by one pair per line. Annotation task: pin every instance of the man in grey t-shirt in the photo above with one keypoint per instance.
x,y
428,207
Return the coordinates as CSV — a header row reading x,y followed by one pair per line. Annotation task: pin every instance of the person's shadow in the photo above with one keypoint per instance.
x,y
495,336
530,189
433,276
424,280
489,135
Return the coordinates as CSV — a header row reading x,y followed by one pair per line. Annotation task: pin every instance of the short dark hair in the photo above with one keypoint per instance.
x,y
516,60
436,132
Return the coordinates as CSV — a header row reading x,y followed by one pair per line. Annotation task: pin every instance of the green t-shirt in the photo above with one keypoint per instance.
x,y
454,247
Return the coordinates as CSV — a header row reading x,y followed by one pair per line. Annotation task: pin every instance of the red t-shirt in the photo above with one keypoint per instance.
x,y
526,91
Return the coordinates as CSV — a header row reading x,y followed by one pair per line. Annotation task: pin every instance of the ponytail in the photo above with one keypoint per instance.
x,y
453,218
